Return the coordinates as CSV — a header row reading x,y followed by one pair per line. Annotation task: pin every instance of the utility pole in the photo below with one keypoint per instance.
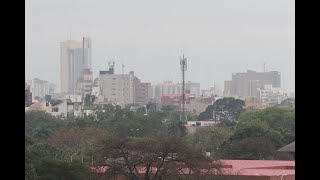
x,y
183,66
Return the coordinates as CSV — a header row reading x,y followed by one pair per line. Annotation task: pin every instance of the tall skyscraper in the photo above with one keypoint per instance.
x,y
75,56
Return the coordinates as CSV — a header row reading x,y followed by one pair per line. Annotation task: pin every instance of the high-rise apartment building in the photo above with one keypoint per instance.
x,y
123,89
38,88
75,56
245,85
142,91
116,88
85,83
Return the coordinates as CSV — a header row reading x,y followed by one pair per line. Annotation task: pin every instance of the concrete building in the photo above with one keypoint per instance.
x,y
38,88
192,88
168,87
117,88
85,83
28,96
95,91
271,95
208,92
175,99
75,56
253,104
69,105
227,88
245,85
198,105
123,89
142,91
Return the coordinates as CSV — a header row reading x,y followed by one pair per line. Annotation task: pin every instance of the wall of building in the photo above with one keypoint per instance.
x,y
73,59
117,88
39,88
245,84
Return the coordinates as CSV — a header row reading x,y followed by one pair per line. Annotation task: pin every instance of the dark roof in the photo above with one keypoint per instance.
x,y
288,148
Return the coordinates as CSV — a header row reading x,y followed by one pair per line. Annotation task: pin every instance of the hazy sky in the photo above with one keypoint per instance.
x,y
218,37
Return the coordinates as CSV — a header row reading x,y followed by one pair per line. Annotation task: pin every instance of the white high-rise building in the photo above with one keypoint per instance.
x,y
38,88
117,88
75,56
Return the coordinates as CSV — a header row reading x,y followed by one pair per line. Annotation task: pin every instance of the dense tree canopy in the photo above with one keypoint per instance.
x,y
225,109
69,147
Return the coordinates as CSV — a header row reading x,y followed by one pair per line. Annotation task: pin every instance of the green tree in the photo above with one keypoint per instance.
x,y
169,108
141,110
255,148
280,119
128,156
225,109
151,107
289,102
250,129
89,100
51,169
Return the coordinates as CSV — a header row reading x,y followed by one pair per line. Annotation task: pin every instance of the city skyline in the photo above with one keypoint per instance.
x,y
218,38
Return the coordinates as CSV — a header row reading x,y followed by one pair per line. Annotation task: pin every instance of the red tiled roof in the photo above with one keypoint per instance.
x,y
259,167
37,105
240,167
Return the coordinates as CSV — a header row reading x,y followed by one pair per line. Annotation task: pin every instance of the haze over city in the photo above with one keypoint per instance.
x,y
217,37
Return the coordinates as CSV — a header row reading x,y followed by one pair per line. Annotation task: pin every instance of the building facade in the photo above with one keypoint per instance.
x,y
116,88
75,56
245,85
39,88
168,87
85,83
122,89
142,91
271,95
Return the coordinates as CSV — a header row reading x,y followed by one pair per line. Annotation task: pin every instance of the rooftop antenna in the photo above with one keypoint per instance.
x,y
183,66
264,64
70,32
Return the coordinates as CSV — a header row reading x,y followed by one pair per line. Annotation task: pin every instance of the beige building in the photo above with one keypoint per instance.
x,y
74,57
252,104
245,85
123,89
85,83
38,88
116,88
198,105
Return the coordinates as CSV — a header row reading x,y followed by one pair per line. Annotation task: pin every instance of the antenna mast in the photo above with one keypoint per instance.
x,y
183,66
264,67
